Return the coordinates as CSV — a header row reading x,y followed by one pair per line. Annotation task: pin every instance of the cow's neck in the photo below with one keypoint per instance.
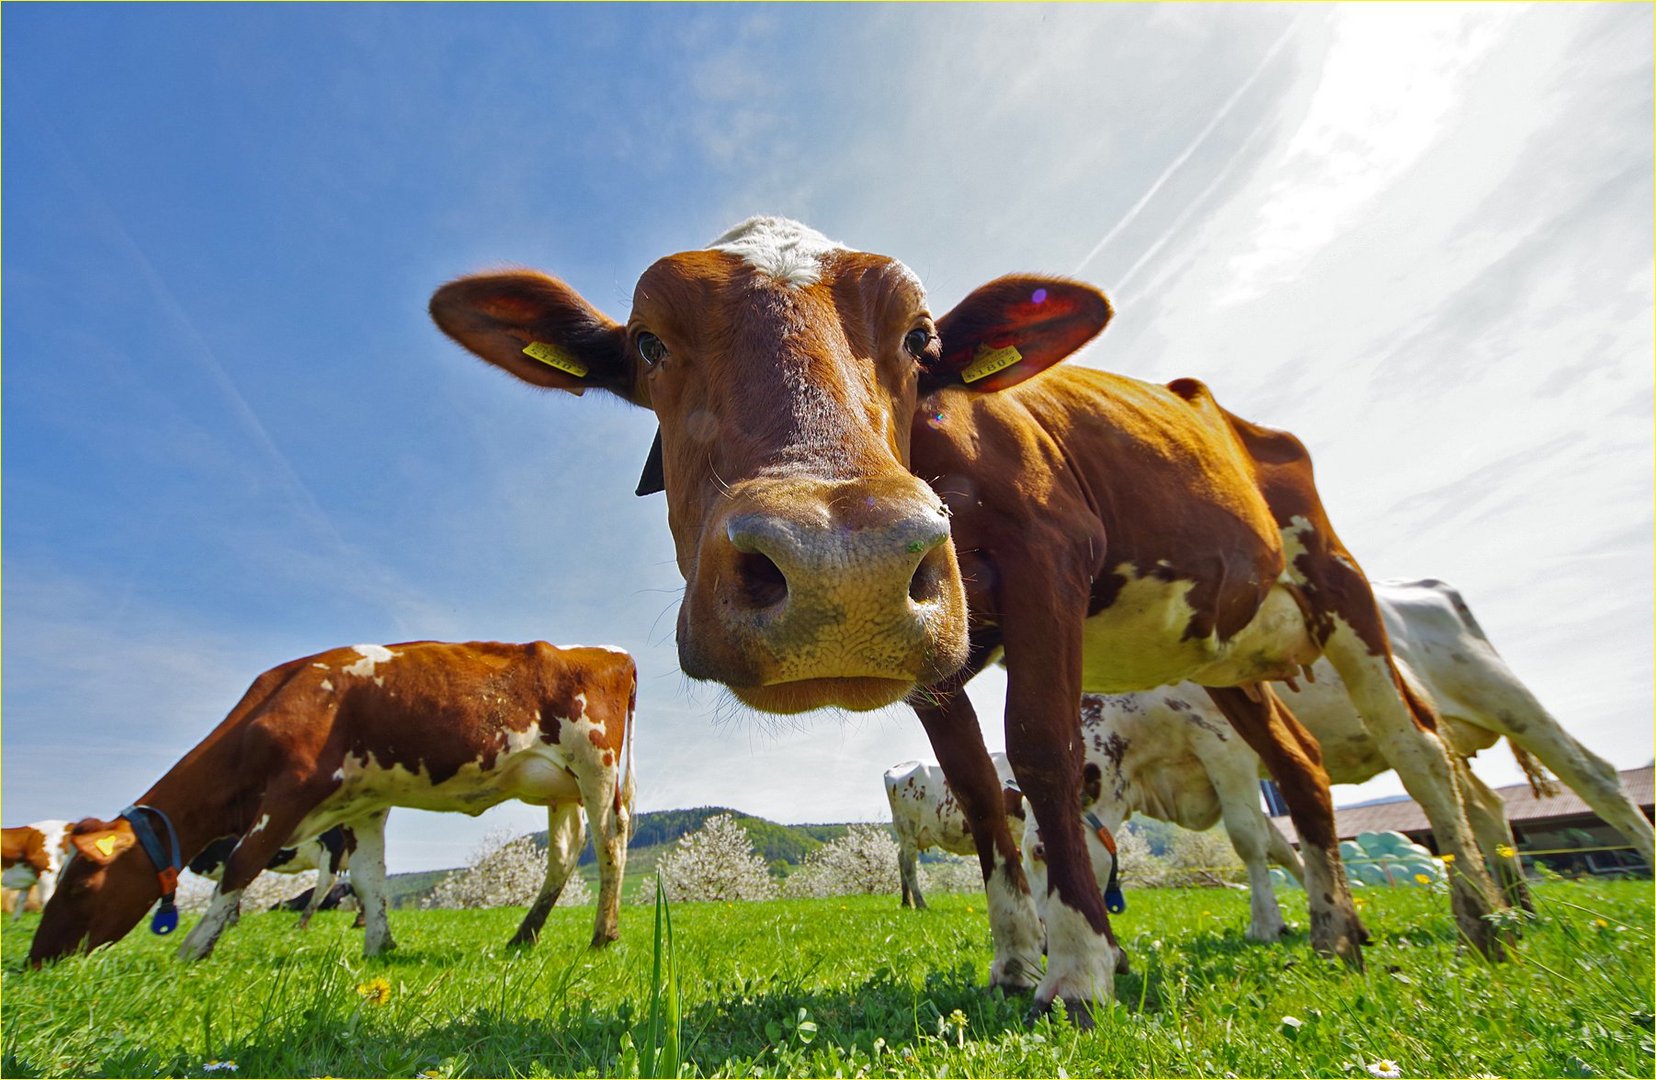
x,y
201,796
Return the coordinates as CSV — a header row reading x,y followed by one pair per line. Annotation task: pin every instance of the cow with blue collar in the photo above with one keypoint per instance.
x,y
339,738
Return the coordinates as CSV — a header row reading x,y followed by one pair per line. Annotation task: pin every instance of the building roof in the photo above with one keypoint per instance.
x,y
1405,815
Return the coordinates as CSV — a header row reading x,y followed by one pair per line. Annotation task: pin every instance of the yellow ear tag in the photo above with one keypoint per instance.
x,y
988,361
554,357
105,845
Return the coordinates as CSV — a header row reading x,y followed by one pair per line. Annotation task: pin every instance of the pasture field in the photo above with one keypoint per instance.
x,y
850,987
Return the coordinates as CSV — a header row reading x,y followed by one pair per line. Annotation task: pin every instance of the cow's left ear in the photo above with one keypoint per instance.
x,y
102,841
1013,328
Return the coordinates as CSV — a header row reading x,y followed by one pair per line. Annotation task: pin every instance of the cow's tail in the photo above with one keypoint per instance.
x,y
1541,782
626,786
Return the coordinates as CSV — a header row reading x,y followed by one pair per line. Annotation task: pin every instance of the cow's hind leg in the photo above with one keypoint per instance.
x,y
608,820
1406,740
565,836
1507,706
1487,815
1295,761
908,868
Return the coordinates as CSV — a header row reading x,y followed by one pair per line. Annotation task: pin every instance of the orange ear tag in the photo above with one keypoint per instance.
x,y
987,361
105,845
554,357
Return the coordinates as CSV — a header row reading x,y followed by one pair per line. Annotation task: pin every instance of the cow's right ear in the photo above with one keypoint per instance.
x,y
102,841
540,330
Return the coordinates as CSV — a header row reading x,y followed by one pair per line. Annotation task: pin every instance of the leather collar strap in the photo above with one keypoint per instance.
x,y
1115,902
166,869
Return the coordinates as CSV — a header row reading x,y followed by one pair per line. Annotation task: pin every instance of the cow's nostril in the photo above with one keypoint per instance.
x,y
763,583
929,577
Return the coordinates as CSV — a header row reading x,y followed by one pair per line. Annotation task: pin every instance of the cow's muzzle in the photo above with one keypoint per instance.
x,y
812,593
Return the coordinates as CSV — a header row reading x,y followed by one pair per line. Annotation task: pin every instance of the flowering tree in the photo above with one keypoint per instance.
x,y
952,874
864,860
1139,867
1203,858
504,872
195,892
716,862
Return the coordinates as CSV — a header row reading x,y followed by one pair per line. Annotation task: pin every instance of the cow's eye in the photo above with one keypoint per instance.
x,y
916,340
651,349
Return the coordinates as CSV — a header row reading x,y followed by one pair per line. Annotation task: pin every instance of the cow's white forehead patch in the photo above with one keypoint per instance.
x,y
786,250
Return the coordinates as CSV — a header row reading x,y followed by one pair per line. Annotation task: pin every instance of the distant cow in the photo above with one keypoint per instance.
x,y
328,855
1170,754
926,814
341,737
33,857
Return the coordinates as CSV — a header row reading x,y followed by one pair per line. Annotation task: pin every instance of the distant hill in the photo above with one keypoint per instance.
x,y
782,846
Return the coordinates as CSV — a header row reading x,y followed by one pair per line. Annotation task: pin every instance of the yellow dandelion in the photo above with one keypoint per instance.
x,y
1602,924
1423,879
1448,857
376,991
1360,902
1505,851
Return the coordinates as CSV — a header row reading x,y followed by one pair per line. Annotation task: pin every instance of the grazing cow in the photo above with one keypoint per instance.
x,y
925,814
33,857
327,854
1169,754
341,737
843,471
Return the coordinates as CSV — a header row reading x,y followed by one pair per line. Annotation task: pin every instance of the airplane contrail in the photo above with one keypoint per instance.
x,y
1195,144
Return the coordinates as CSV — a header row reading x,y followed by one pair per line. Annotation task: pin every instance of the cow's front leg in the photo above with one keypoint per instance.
x,y
1041,631
951,725
1043,744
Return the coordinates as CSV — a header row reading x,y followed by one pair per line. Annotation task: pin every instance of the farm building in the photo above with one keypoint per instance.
x,y
1560,829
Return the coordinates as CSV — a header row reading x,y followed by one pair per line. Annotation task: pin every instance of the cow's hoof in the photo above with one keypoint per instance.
x,y
1342,937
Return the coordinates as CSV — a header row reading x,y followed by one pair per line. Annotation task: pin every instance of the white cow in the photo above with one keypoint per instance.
x,y
925,814
1170,753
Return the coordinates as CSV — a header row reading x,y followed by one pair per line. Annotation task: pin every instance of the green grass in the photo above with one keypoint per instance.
x,y
850,987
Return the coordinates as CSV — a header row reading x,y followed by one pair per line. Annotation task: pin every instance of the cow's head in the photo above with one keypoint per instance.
x,y
784,370
106,886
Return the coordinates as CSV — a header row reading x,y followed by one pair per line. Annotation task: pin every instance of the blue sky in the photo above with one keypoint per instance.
x,y
1418,236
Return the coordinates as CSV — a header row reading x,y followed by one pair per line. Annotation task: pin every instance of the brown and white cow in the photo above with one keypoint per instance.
x,y
33,856
843,471
339,738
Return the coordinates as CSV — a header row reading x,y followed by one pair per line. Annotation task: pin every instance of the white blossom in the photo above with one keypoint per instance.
x,y
716,862
864,860
504,873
